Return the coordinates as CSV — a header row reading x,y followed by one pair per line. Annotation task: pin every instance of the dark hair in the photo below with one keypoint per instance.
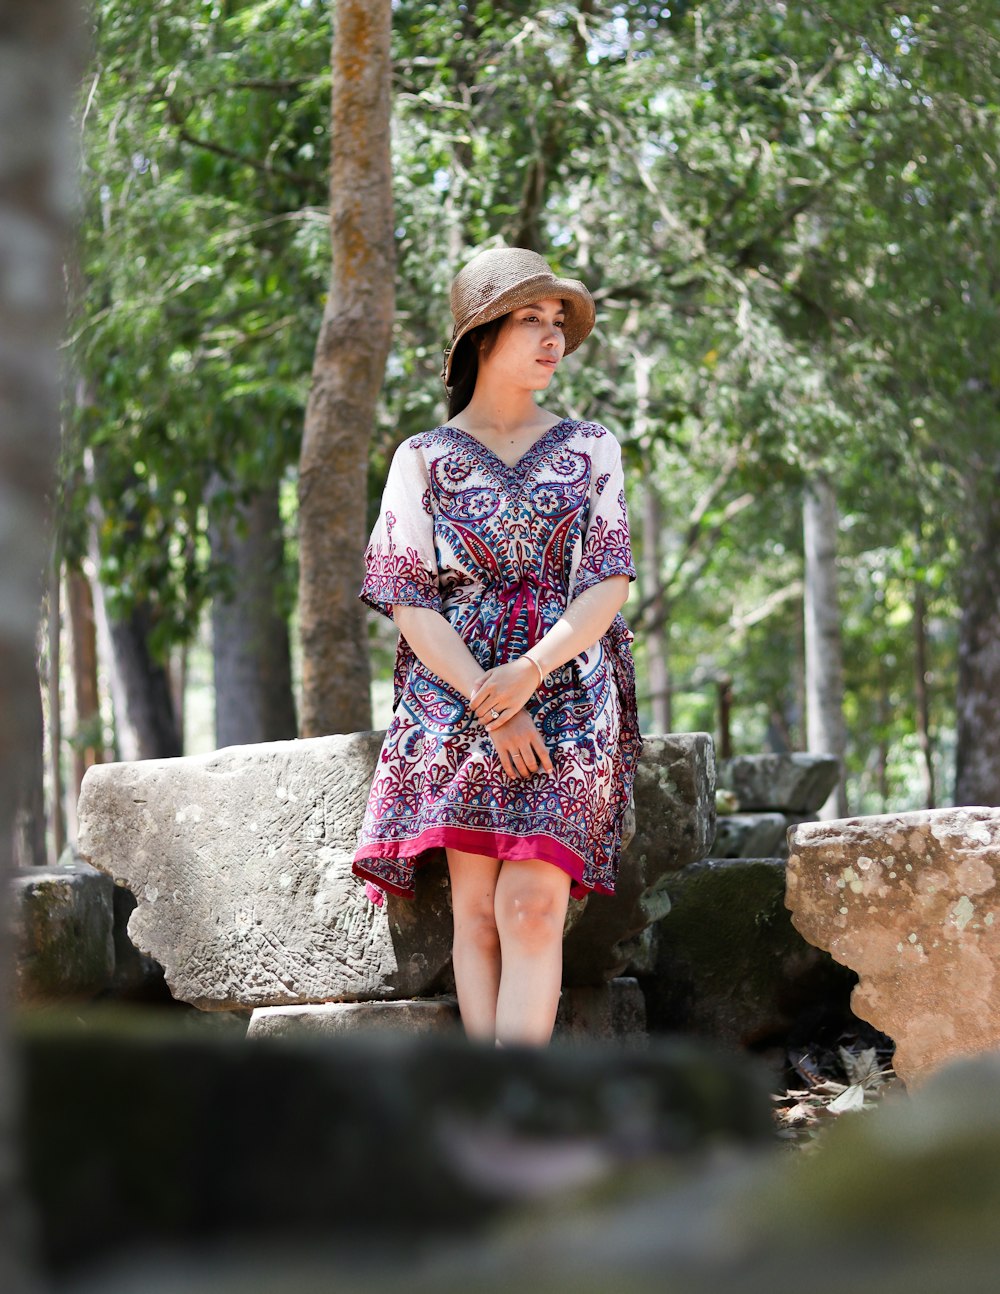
x,y
465,362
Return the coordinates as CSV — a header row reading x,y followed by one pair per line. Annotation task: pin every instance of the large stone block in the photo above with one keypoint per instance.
x,y
728,963
240,862
675,826
910,901
63,919
795,783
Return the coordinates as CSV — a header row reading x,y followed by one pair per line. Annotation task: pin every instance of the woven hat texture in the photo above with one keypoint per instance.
x,y
503,278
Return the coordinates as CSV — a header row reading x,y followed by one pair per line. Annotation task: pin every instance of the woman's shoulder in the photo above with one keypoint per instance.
x,y
421,441
602,441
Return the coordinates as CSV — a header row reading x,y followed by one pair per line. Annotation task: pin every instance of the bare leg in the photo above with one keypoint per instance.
x,y
476,948
531,900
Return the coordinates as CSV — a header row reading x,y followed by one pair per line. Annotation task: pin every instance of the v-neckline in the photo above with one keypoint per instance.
x,y
518,464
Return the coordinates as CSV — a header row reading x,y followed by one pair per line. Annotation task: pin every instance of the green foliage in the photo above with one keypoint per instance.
x,y
786,214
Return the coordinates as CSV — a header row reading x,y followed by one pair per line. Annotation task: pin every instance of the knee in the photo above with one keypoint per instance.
x,y
531,916
476,924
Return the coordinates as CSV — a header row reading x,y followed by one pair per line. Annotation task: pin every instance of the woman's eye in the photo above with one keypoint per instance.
x,y
528,318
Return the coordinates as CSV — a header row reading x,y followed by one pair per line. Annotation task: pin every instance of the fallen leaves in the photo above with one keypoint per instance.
x,y
863,1076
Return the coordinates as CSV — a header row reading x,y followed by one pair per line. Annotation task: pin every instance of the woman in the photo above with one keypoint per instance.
x,y
502,554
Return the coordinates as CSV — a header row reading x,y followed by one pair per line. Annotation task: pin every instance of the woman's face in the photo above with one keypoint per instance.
x,y
530,345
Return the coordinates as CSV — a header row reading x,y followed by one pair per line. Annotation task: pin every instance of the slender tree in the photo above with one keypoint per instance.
x,y
347,375
826,733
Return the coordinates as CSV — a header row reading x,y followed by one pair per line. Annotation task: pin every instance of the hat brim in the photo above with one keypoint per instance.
x,y
580,317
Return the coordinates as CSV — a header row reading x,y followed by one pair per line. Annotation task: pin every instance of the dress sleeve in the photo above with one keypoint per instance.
x,y
400,560
607,549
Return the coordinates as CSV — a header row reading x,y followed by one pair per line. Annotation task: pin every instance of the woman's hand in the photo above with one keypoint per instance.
x,y
505,689
520,748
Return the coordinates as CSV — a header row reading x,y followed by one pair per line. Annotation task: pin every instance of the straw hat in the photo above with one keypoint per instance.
x,y
504,278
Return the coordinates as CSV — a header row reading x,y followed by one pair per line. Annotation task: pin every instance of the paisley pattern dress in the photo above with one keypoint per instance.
x,y
501,551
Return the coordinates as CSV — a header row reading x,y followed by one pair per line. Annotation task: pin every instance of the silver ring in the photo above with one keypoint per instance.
x,y
494,713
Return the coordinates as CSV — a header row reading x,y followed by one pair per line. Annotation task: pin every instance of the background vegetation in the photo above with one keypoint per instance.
x,y
786,214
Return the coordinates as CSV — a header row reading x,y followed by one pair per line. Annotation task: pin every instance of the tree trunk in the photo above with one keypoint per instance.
x,y
654,596
41,50
657,669
30,849
977,756
825,729
57,809
145,719
253,668
88,747
922,691
348,370
177,683
146,723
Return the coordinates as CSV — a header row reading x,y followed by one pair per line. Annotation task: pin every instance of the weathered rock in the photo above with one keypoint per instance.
x,y
615,1011
240,862
910,901
729,964
793,783
375,1140
332,1019
749,835
136,977
675,826
63,945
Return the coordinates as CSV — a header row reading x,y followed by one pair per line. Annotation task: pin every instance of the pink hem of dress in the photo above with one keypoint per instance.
x,y
491,844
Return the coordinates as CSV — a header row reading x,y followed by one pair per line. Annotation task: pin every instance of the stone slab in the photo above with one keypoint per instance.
x,y
675,826
615,1012
794,783
333,1019
240,862
911,902
729,964
63,922
749,835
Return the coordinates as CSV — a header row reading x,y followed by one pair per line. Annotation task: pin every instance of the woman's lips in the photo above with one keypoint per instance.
x,y
550,363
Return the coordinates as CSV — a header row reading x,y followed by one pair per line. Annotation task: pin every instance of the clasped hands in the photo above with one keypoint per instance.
x,y
498,700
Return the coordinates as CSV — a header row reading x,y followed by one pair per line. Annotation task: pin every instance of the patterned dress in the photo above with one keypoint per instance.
x,y
500,551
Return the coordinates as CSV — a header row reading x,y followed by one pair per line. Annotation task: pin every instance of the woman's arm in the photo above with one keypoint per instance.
x,y
437,645
506,688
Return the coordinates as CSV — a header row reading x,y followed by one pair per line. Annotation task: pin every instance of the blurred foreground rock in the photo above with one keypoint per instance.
x,y
384,1141
901,1199
240,863
910,902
